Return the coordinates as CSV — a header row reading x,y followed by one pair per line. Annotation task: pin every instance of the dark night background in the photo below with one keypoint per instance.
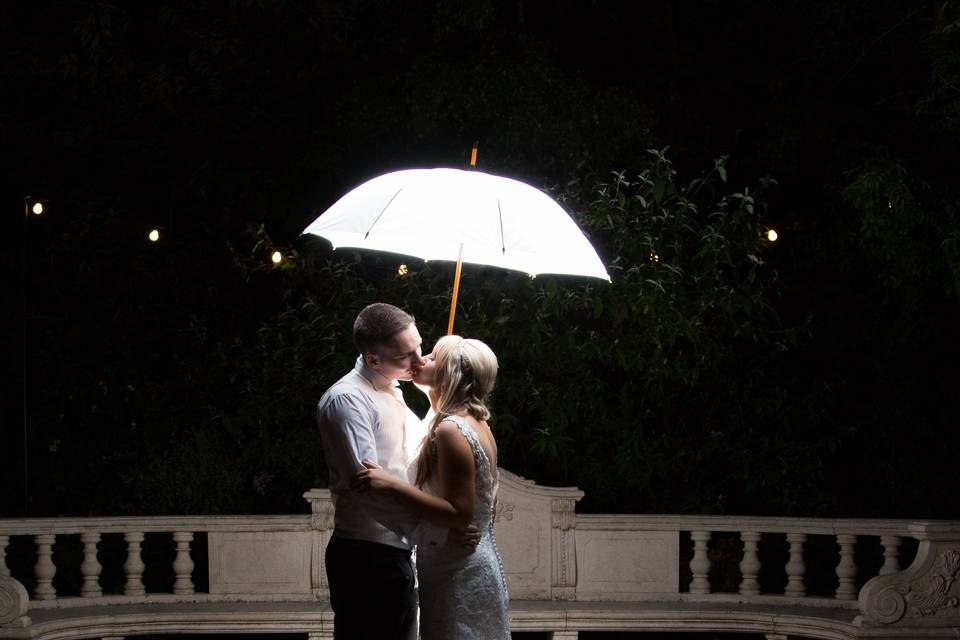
x,y
812,376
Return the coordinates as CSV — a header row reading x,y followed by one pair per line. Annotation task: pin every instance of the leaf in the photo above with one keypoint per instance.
x,y
659,189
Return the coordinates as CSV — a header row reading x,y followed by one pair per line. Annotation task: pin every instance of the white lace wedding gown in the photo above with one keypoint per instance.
x,y
464,596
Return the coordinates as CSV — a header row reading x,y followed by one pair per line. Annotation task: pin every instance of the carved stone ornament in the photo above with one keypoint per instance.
x,y
321,509
504,511
927,598
925,591
563,512
13,601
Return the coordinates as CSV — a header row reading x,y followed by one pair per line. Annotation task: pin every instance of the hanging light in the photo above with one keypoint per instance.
x,y
277,257
154,235
772,235
403,270
37,208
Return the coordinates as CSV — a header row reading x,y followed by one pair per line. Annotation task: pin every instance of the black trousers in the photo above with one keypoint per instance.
x,y
372,590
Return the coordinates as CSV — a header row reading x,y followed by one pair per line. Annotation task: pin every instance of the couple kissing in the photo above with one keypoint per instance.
x,y
399,484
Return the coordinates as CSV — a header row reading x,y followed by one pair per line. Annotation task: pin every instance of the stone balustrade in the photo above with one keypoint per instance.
x,y
567,572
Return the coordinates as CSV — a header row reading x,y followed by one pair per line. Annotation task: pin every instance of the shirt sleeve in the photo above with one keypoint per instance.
x,y
346,427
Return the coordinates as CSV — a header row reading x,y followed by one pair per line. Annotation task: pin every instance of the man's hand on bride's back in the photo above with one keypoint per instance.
x,y
467,538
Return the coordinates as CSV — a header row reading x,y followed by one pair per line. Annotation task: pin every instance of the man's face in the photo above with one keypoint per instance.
x,y
399,358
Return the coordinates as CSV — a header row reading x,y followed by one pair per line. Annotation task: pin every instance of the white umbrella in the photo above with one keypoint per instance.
x,y
461,216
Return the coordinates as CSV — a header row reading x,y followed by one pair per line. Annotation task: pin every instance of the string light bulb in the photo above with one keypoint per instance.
x,y
277,257
37,208
154,235
772,235
402,270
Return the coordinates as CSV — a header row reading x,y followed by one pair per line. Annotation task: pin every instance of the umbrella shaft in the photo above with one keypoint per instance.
x,y
456,291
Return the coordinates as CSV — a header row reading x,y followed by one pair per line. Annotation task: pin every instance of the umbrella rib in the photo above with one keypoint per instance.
x,y
367,234
503,245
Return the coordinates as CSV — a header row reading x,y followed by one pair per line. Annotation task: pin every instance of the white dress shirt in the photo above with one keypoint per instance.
x,y
363,416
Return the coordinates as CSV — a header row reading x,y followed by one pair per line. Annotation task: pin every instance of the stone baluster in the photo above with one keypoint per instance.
x,y
4,569
90,567
183,565
846,568
700,563
795,566
45,570
133,567
891,555
750,565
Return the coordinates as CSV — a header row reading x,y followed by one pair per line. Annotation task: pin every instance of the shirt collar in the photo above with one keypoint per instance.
x,y
373,376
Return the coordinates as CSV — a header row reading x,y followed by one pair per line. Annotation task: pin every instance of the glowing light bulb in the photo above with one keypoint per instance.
x,y
154,235
37,208
772,235
277,257
402,270
654,257
889,205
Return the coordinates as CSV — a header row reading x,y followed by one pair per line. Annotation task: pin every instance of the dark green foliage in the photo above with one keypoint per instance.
x,y
181,377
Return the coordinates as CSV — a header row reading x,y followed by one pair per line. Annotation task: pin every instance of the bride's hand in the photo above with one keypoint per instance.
x,y
372,477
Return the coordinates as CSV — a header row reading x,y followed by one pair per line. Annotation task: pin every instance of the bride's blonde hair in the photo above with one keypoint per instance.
x,y
463,378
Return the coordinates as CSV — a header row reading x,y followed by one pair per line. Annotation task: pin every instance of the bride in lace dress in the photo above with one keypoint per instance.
x,y
463,595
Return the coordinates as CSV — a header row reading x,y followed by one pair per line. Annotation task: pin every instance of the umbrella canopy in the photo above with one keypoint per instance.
x,y
432,213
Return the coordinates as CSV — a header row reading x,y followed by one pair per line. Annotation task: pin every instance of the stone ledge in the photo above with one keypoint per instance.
x,y
526,615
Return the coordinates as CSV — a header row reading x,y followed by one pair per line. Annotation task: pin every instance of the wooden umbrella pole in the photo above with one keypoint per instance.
x,y
456,291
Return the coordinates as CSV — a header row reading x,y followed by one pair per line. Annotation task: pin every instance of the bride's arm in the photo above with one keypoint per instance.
x,y
455,475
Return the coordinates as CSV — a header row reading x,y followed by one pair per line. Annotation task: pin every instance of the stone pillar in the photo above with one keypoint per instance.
x,y
321,524
45,570
795,566
700,564
891,554
183,565
133,567
846,569
563,584
564,635
90,567
750,565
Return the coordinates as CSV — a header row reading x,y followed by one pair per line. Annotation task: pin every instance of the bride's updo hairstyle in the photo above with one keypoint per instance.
x,y
463,378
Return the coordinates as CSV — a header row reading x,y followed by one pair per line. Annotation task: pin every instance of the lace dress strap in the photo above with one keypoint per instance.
x,y
479,454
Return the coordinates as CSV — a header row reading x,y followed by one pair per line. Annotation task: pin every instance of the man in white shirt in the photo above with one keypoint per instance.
x,y
363,417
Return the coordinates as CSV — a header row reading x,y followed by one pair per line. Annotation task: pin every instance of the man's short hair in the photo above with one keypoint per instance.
x,y
376,323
